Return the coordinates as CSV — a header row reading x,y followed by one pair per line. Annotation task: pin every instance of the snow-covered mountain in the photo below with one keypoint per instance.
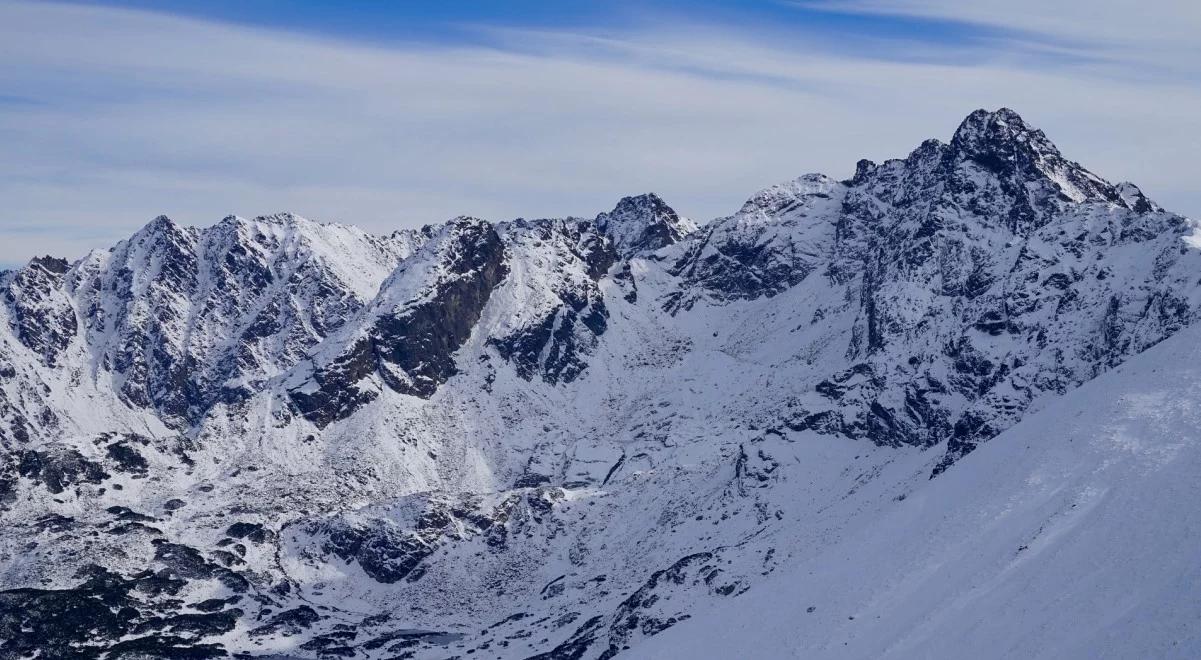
x,y
557,438
1071,535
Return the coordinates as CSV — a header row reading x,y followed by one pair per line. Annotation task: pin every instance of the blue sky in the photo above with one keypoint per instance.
x,y
398,114
443,22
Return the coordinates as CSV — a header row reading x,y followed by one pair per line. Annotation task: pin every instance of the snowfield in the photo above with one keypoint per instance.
x,y
1073,534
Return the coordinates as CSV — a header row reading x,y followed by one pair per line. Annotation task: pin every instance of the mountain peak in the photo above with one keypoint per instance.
x,y
1134,198
644,198
159,223
981,116
643,222
782,197
54,265
1003,143
161,230
1000,134
283,218
478,425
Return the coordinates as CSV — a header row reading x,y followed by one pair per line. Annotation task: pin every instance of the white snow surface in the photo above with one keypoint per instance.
x,y
1074,534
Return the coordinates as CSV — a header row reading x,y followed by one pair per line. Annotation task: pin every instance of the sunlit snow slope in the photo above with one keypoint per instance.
x,y
1075,534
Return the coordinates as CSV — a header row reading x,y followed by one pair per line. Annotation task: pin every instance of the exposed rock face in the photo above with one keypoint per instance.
x,y
186,318
58,470
643,223
423,314
1013,152
44,318
566,308
777,239
978,274
90,621
539,438
414,342
389,551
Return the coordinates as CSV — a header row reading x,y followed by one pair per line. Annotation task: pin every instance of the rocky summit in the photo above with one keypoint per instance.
x,y
584,438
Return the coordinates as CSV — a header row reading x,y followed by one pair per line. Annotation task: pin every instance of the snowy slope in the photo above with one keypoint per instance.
x,y
1074,534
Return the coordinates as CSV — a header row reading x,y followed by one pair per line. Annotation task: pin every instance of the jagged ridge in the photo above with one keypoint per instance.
x,y
583,424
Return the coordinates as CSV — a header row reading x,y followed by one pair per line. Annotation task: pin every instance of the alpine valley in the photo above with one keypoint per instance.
x,y
948,407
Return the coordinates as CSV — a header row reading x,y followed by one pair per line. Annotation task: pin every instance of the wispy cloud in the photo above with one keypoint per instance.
x,y
122,115
1136,37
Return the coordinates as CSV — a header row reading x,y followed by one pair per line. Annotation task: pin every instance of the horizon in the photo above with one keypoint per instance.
x,y
408,115
268,217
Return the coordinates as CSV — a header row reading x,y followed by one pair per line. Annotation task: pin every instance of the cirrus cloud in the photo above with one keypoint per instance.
x,y
111,116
